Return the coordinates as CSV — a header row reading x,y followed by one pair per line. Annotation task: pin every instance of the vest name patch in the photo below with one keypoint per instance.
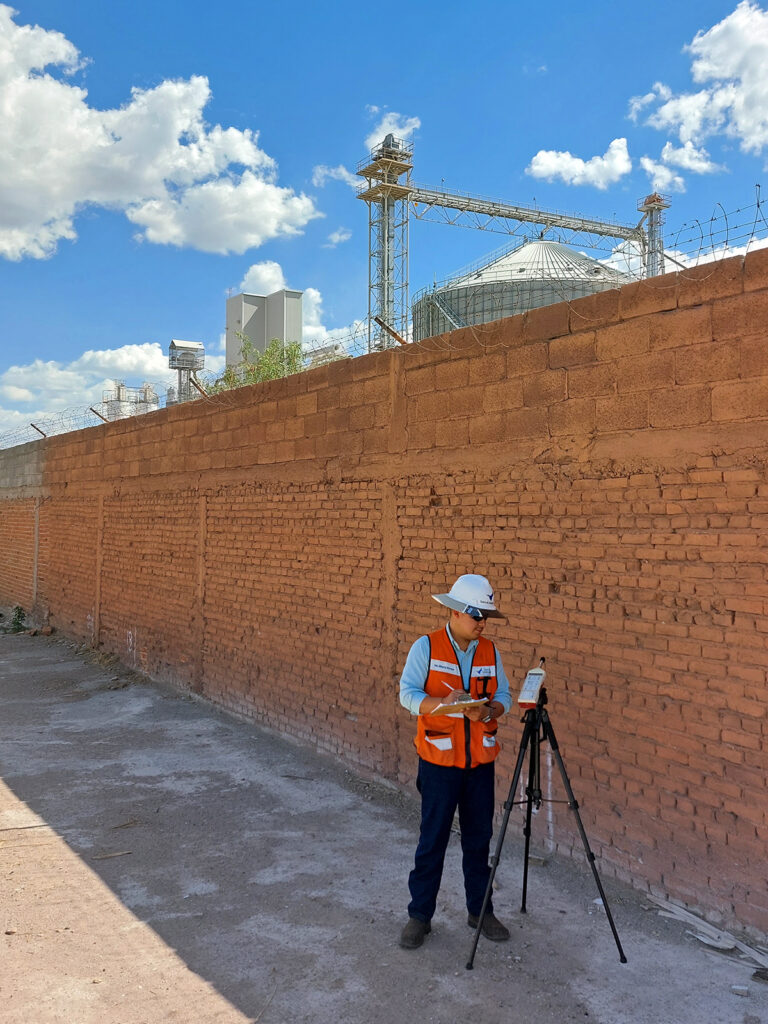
x,y
444,666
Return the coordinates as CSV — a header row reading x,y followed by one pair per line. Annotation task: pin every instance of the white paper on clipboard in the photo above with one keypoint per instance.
x,y
453,708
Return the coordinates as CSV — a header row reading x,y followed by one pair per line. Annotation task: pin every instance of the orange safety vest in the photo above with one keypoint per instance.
x,y
454,740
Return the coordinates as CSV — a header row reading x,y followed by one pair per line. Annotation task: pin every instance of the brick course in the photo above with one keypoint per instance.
x,y
17,563
605,463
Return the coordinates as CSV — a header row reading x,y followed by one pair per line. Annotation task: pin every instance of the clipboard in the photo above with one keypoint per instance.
x,y
453,708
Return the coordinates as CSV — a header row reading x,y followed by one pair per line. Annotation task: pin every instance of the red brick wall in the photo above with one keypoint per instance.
x,y
148,605
603,462
17,553
68,546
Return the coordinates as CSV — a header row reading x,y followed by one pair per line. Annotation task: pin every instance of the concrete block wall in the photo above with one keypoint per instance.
x,y
604,462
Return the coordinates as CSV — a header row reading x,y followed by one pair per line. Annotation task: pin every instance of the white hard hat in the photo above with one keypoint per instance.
x,y
471,594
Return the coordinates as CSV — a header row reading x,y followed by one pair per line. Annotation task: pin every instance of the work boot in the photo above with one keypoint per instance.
x,y
492,928
413,934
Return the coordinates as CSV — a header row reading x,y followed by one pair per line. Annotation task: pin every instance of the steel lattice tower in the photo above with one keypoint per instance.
x,y
653,206
387,174
392,197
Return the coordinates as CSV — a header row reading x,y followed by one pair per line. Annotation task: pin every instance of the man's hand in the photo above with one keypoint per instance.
x,y
429,704
476,714
494,709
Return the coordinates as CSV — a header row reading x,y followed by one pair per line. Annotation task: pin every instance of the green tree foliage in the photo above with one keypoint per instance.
x,y
279,359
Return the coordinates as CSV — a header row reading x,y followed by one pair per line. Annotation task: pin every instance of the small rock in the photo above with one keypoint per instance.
x,y
46,631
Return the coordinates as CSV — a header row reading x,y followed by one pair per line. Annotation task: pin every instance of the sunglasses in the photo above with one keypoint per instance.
x,y
475,613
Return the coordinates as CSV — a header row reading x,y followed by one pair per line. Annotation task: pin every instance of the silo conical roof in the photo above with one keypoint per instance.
x,y
537,273
541,259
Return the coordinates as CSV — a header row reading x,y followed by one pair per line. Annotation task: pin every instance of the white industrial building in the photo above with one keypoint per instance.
x,y
262,318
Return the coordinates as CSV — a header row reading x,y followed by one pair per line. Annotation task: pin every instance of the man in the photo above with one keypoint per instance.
x,y
456,751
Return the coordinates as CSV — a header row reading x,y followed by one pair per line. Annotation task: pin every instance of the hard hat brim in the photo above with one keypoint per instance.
x,y
453,602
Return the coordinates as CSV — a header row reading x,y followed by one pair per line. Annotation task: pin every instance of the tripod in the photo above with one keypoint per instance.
x,y
537,728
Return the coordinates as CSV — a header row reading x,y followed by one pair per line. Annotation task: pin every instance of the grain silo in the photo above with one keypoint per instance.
x,y
536,273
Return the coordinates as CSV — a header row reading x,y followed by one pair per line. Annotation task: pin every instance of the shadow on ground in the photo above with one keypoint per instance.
x,y
167,862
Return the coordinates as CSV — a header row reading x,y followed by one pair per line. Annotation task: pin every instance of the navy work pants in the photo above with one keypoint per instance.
x,y
442,791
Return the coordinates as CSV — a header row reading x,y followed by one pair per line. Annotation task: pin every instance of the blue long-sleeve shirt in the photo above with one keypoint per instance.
x,y
414,676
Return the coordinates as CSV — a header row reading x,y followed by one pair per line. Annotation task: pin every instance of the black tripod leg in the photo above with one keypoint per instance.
x,y
574,806
529,792
527,732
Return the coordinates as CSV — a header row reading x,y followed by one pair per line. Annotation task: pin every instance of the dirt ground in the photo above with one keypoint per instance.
x,y
162,861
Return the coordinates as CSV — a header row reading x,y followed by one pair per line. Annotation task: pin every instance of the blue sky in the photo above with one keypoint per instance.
x,y
155,155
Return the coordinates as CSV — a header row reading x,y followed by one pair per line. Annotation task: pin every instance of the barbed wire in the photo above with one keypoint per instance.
x,y
693,244
328,346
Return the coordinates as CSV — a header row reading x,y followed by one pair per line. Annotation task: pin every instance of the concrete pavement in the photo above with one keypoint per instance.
x,y
163,861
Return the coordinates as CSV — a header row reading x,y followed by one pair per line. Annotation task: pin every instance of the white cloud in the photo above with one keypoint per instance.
x,y
350,339
663,178
337,237
399,125
213,363
53,385
690,158
263,278
184,182
42,390
693,116
638,103
224,216
39,390
600,171
16,394
322,173
729,61
147,361
312,308
315,332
